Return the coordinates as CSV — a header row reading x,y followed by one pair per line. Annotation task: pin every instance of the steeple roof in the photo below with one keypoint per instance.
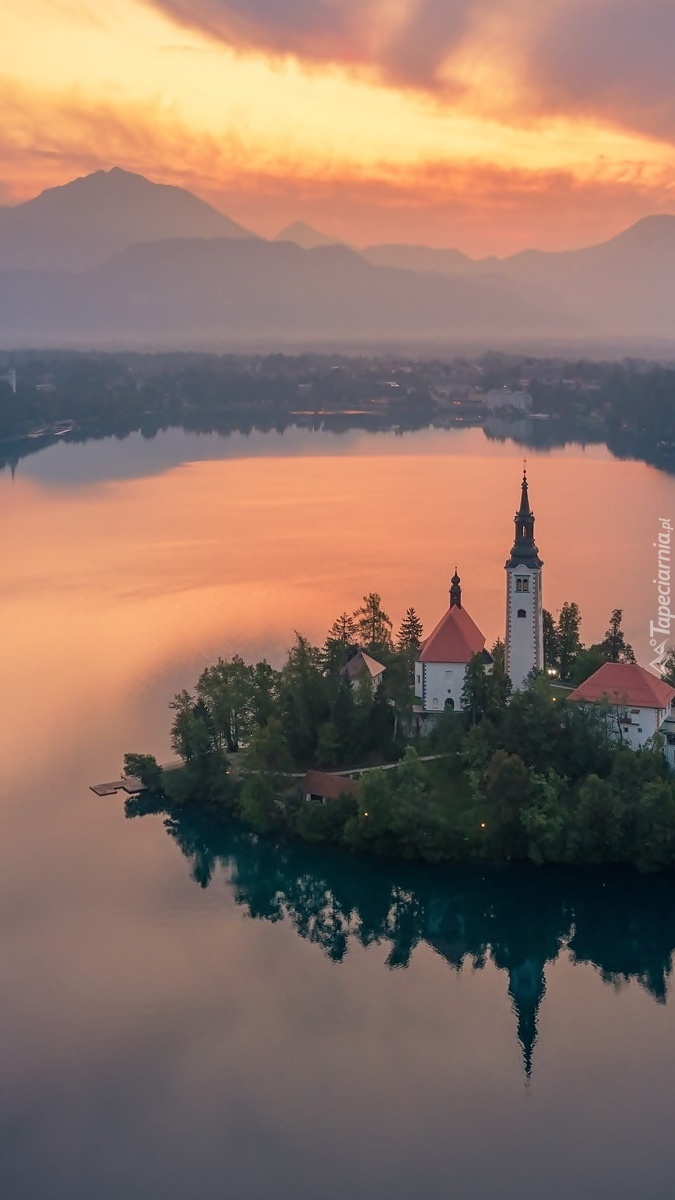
x,y
524,552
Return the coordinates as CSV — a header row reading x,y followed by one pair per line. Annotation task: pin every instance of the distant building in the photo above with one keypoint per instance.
x,y
500,399
10,378
362,671
641,703
524,605
443,657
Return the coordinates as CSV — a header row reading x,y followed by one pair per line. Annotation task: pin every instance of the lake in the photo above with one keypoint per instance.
x,y
190,1011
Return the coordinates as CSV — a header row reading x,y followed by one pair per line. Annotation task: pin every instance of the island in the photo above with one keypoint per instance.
x,y
437,749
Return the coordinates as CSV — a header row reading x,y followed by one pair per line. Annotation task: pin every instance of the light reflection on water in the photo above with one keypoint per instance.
x,y
156,1043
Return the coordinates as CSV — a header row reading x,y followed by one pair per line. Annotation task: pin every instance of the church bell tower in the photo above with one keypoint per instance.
x,y
524,608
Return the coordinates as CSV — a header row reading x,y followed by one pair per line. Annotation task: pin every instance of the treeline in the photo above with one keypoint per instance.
x,y
630,405
528,776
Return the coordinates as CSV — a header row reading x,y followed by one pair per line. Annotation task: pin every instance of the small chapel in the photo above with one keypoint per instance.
x,y
444,656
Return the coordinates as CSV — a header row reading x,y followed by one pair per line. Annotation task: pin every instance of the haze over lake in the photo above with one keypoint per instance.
x,y
160,1042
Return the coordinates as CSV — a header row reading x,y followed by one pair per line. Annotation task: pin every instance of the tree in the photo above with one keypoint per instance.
x,y
146,769
372,623
654,848
508,791
328,745
409,637
226,690
341,642
597,833
258,803
264,690
568,640
614,642
587,662
343,629
545,819
475,696
304,694
191,734
531,726
499,684
551,649
267,752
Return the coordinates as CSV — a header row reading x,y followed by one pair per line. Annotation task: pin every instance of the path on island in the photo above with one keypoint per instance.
x,y
133,787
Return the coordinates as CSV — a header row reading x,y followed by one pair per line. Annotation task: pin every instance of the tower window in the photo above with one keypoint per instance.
x,y
522,584
521,612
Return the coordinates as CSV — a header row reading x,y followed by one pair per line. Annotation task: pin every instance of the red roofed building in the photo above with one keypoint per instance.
x,y
321,786
443,657
640,701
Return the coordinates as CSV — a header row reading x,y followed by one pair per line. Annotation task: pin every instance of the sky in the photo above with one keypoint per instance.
x,y
489,125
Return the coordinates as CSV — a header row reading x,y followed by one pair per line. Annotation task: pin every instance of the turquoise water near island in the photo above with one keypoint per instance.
x,y
191,1010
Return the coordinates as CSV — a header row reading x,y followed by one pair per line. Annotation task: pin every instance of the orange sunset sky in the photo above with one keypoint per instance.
x,y
489,125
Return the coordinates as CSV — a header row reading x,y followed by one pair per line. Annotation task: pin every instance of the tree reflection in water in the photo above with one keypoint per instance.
x,y
520,919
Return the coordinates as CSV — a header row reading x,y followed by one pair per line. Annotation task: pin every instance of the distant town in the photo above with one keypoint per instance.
x,y
45,396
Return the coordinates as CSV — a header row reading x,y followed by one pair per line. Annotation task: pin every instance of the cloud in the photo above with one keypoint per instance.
x,y
403,41
613,58
476,206
609,59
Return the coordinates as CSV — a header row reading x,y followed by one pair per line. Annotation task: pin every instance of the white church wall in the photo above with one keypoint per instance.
x,y
440,682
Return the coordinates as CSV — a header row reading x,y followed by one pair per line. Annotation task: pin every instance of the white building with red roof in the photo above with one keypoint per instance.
x,y
641,703
442,661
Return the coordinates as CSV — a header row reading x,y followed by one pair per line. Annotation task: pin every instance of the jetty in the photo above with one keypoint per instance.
x,y
132,787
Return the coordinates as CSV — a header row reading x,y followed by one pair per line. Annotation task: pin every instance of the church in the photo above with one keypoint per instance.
x,y
443,657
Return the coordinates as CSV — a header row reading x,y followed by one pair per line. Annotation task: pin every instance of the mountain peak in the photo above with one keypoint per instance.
x,y
306,236
81,223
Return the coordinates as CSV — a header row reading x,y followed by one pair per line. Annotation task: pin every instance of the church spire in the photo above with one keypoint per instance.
x,y
527,987
455,591
524,551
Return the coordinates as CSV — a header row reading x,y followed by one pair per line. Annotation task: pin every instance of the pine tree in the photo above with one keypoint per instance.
x,y
409,637
343,629
614,642
341,642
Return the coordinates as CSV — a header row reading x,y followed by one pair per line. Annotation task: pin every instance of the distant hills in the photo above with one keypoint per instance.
x,y
224,290
83,223
306,236
114,258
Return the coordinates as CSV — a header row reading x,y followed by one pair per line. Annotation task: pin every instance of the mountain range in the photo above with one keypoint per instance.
x,y
115,258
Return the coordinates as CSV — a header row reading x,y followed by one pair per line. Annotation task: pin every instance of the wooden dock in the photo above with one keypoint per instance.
x,y
132,787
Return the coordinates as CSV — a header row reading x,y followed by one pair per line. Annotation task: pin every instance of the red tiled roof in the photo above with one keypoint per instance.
x,y
454,640
362,662
331,787
625,683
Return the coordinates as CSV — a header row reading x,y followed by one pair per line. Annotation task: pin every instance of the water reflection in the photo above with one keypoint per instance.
x,y
517,919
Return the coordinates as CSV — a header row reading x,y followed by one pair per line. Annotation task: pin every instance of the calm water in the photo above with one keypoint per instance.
x,y
190,1014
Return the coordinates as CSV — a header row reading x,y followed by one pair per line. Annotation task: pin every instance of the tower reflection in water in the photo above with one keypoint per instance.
x,y
519,919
